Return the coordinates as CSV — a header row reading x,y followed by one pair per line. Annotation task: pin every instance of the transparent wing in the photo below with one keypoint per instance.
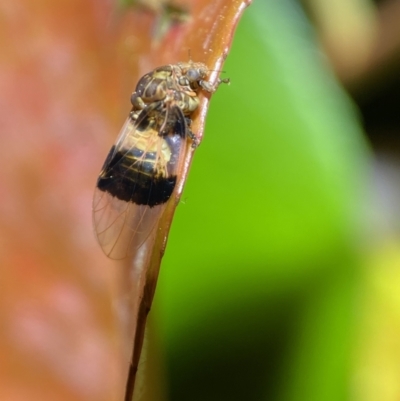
x,y
122,227
137,179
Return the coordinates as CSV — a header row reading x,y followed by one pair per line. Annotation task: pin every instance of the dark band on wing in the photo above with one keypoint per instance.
x,y
140,185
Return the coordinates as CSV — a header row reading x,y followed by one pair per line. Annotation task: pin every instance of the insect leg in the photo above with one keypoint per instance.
x,y
208,87
193,138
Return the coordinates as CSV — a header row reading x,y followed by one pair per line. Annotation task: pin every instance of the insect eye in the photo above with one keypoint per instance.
x,y
193,75
183,81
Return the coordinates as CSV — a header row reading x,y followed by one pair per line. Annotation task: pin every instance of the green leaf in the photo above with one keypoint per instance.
x,y
269,225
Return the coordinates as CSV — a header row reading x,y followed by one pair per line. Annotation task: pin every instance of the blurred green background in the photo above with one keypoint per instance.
x,y
268,288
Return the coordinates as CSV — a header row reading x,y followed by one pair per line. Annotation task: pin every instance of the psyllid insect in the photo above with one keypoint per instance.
x,y
142,168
